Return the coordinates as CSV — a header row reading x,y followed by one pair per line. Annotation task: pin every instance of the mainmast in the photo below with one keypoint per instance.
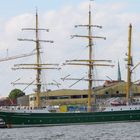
x,y
38,82
90,62
38,66
129,65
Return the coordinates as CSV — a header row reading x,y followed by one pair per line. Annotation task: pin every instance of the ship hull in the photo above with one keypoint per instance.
x,y
46,119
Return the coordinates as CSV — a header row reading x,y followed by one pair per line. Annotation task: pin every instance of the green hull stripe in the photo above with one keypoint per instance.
x,y
47,119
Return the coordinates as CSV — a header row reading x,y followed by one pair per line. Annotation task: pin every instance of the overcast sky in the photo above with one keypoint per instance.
x,y
60,16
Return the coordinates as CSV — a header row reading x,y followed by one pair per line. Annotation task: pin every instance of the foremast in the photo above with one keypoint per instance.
x,y
90,73
38,66
90,62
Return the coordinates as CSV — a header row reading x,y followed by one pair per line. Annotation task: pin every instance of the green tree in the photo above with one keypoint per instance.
x,y
15,93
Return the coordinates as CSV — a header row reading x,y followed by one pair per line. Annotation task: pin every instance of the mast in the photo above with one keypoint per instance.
x,y
38,82
90,73
119,73
128,90
38,66
90,62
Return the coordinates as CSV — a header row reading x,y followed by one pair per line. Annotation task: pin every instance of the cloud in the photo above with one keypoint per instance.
x,y
16,23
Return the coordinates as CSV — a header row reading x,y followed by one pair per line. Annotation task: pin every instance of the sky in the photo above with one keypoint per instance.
x,y
60,16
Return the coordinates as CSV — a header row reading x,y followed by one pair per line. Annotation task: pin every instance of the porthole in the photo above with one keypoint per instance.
x,y
106,93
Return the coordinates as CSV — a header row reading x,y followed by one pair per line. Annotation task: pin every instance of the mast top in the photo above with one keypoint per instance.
x,y
90,5
36,11
90,8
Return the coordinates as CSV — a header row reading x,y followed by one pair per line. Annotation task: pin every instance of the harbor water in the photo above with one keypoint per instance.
x,y
107,131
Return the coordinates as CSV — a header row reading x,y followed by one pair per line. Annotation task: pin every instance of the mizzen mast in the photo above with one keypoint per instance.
x,y
130,68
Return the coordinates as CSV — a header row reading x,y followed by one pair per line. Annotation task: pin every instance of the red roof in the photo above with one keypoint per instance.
x,y
108,82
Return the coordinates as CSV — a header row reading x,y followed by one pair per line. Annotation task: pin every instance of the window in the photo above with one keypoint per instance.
x,y
85,96
58,97
76,96
43,98
53,97
64,97
106,92
32,98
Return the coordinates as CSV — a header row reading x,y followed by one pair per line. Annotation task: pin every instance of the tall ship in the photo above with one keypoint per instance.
x,y
94,114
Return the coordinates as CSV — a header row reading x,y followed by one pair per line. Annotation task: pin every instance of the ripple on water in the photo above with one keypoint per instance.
x,y
111,131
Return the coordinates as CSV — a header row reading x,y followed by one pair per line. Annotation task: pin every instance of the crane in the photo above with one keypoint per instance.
x,y
16,57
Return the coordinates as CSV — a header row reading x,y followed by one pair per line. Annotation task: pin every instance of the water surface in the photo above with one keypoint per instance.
x,y
111,131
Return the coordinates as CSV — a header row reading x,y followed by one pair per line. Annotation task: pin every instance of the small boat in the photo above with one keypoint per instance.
x,y
2,123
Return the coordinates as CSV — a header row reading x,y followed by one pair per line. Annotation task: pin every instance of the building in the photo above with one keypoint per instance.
x,y
60,97
23,100
5,101
110,89
116,89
